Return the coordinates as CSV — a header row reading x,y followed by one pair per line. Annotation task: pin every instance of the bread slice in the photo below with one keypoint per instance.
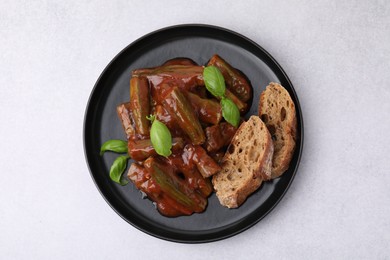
x,y
246,163
277,110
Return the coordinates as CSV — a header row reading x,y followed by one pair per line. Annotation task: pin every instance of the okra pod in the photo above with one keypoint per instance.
x,y
242,106
179,61
138,174
208,110
140,150
189,172
218,136
139,104
177,105
142,180
168,201
235,81
218,155
205,164
203,185
123,111
173,187
184,76
165,117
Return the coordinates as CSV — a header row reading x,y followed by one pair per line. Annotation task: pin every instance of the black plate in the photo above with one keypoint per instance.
x,y
198,42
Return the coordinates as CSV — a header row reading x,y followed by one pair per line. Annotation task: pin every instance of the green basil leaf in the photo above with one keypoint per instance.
x,y
214,81
123,182
117,146
161,138
230,111
117,169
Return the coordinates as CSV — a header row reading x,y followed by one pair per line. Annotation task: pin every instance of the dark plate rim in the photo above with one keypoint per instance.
x,y
219,236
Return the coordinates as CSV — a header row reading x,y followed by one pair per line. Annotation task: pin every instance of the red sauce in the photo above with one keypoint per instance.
x,y
180,183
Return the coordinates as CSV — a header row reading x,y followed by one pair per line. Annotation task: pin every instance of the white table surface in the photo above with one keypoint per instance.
x,y
336,53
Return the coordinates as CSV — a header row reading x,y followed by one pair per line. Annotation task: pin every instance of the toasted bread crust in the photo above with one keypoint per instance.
x,y
277,110
246,163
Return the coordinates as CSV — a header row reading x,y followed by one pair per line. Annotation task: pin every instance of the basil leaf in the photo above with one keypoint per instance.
x,y
214,81
117,146
117,169
230,111
161,138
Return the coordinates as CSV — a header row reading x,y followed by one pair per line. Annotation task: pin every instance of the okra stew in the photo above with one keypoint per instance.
x,y
179,120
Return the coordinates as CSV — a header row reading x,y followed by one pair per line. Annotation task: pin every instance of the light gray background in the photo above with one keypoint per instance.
x,y
337,54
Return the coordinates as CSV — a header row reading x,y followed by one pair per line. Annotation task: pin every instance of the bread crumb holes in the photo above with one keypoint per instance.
x,y
283,114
